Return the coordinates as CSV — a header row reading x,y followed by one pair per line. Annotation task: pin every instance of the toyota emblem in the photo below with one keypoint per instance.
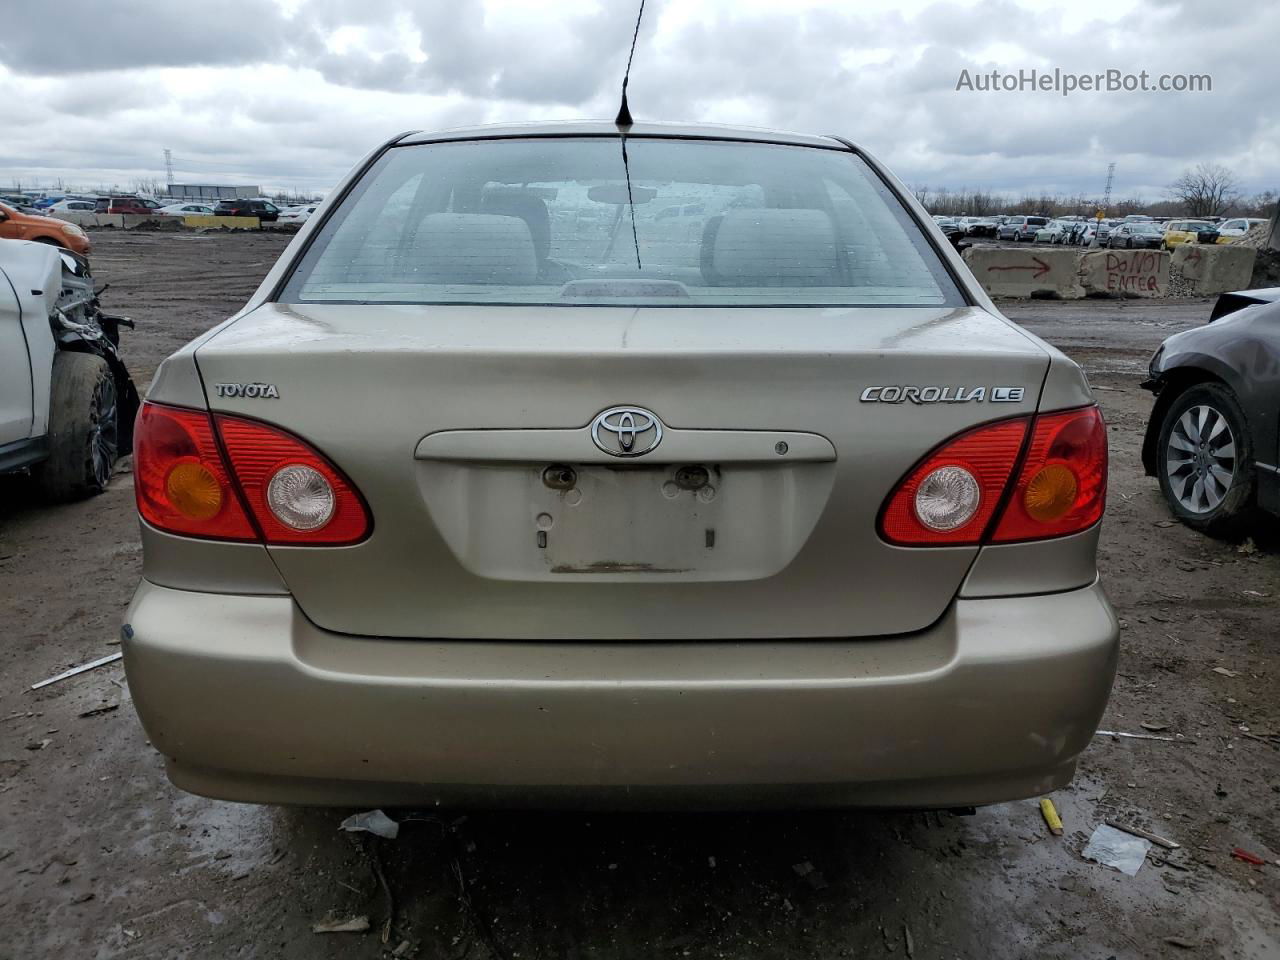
x,y
626,431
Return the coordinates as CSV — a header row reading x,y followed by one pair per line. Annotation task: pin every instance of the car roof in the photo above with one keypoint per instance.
x,y
589,128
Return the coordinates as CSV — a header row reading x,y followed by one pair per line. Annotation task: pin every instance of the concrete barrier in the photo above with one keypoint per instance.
x,y
131,221
1211,269
201,222
1035,272
1124,273
90,220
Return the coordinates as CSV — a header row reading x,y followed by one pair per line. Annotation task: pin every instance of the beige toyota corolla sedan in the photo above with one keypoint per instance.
x,y
542,472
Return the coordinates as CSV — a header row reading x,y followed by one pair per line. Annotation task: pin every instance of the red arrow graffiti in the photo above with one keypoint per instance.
x,y
1194,256
1043,268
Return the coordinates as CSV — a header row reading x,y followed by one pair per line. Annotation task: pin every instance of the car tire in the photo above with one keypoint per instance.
x,y
1194,479
83,429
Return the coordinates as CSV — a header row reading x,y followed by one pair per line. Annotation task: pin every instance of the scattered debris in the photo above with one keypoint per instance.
x,y
39,744
711,862
76,671
1050,814
1255,593
371,821
98,711
1117,848
1181,942
1225,672
1142,736
908,941
1145,835
403,949
350,925
386,892
1154,727
17,716
1248,547
814,877
1242,854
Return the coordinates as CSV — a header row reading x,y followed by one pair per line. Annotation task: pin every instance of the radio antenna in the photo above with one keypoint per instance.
x,y
624,112
624,122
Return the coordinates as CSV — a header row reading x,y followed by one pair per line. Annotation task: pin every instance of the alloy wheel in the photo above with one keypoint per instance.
x,y
1201,458
104,434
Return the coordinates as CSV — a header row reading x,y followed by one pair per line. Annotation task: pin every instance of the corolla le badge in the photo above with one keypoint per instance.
x,y
626,431
939,394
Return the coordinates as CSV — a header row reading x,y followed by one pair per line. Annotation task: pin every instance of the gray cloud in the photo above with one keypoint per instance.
x,y
246,89
75,36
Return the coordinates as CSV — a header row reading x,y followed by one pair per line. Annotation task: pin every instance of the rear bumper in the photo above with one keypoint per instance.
x,y
250,701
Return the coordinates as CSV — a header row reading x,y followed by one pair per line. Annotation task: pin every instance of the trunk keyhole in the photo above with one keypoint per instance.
x,y
692,478
559,477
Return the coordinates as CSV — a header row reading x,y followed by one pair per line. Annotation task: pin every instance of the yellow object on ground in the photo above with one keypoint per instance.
x,y
1051,816
224,223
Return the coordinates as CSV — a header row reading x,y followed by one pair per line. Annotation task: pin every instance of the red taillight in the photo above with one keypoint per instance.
x,y
987,454
951,498
186,485
1062,486
180,480
262,455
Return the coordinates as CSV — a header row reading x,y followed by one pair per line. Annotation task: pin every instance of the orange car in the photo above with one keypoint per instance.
x,y
25,226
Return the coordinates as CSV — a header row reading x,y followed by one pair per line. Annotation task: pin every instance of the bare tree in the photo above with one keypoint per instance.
x,y
1205,191
149,186
1259,205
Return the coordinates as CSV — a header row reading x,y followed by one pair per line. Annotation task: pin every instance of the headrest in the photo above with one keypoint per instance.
x,y
532,210
474,248
773,248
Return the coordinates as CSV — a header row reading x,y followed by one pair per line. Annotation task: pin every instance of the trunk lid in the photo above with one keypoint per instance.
x,y
448,418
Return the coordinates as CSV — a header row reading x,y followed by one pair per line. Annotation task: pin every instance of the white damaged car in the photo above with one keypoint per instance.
x,y
66,400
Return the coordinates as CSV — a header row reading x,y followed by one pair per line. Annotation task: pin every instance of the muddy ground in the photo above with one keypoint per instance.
x,y
100,857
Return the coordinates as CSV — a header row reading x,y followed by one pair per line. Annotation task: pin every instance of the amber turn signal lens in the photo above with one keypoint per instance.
x,y
1050,493
194,490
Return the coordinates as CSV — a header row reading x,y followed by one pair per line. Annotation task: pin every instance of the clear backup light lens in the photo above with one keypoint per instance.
x,y
300,497
947,498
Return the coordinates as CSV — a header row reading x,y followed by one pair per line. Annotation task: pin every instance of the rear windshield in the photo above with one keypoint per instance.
x,y
565,221
1037,221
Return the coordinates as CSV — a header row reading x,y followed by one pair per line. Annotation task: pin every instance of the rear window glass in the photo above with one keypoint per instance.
x,y
1037,221
564,221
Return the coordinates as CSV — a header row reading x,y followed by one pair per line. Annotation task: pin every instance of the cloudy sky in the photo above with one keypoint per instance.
x,y
290,93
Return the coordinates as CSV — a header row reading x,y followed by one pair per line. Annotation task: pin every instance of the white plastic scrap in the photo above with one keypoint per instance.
x,y
1115,848
372,821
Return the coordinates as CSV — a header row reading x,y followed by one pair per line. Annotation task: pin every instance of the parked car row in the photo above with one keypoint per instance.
x,y
134,205
1135,231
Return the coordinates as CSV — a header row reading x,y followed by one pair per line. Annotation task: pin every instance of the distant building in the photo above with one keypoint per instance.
x,y
210,191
